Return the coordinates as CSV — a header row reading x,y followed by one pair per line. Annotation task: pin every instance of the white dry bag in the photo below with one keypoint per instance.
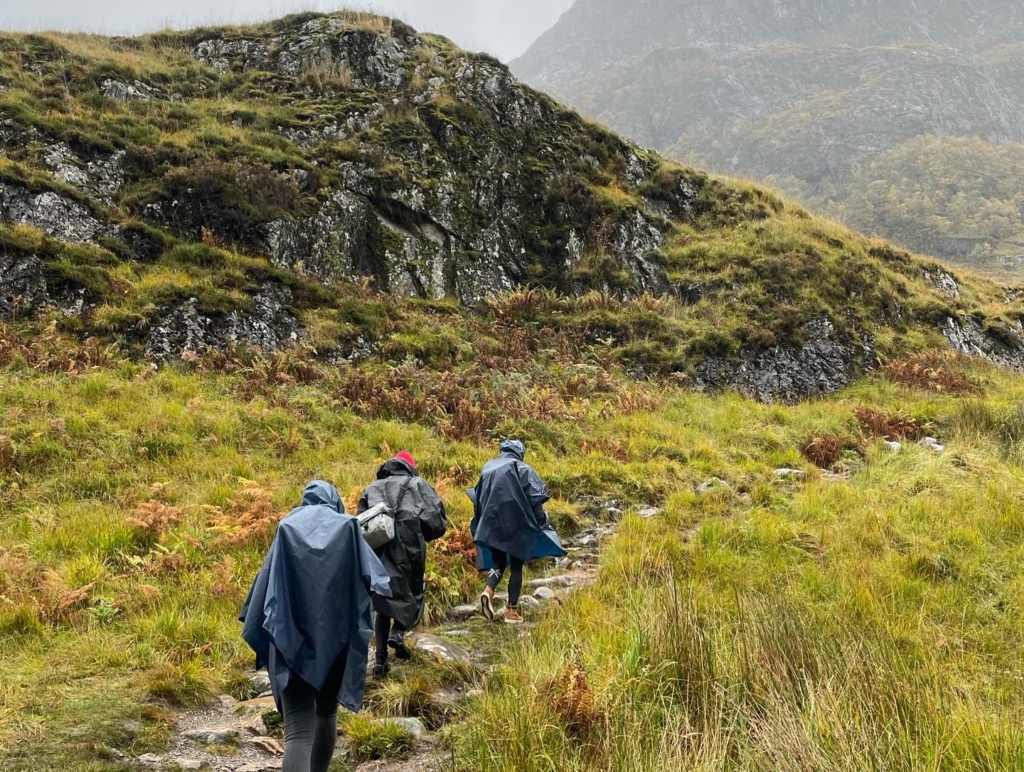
x,y
378,525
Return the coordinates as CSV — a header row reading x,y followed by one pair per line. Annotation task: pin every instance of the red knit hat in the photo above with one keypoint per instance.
x,y
407,457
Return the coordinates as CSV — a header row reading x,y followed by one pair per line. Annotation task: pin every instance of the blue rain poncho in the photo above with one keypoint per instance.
x,y
508,510
310,603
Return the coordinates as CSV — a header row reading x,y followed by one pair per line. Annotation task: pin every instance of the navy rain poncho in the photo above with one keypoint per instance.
x,y
310,603
419,518
508,510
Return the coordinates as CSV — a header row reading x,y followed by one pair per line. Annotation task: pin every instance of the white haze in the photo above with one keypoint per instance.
x,y
504,28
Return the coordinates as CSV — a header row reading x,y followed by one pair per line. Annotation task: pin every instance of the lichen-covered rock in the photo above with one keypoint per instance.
x,y
786,373
1000,343
22,286
51,213
101,178
185,329
136,91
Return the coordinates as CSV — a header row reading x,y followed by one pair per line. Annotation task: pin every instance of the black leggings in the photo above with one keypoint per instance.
x,y
515,579
311,721
382,629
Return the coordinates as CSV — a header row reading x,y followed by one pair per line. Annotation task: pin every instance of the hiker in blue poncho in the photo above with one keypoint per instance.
x,y
510,526
308,619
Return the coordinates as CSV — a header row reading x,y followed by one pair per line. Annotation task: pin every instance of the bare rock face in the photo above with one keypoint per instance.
x,y
22,287
184,328
787,373
58,217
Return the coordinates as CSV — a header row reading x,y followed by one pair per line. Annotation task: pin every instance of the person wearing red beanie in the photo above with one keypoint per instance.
x,y
419,518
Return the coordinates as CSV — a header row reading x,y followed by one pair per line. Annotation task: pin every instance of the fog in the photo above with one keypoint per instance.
x,y
504,28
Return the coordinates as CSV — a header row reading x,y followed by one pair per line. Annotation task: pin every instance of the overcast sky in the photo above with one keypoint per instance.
x,y
504,28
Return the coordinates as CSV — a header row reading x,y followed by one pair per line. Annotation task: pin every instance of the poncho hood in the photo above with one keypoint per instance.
x,y
513,448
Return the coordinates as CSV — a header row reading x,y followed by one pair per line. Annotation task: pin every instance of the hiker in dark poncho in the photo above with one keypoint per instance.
x,y
419,518
307,618
510,526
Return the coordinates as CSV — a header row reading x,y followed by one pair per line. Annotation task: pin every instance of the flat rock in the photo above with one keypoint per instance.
x,y
212,735
444,650
413,726
711,485
893,447
191,764
150,760
267,745
790,474
258,705
462,613
558,580
648,511
544,593
933,444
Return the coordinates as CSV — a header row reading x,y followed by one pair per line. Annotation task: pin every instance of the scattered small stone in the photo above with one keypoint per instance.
x,y
563,562
544,593
444,650
212,736
790,474
150,760
615,513
648,511
893,447
227,701
931,442
529,603
713,484
457,633
269,765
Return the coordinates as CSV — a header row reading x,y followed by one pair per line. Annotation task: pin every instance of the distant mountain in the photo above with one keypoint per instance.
x,y
805,94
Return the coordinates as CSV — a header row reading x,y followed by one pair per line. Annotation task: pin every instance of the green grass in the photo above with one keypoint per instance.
x,y
781,622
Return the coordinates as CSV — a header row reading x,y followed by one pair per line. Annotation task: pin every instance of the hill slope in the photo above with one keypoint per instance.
x,y
794,90
182,192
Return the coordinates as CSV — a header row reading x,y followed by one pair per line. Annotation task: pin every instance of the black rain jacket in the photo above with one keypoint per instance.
x,y
419,518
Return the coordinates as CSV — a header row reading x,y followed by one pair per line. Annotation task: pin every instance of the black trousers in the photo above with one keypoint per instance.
x,y
385,627
515,579
311,721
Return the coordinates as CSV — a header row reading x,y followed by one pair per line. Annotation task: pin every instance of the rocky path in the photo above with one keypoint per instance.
x,y
246,736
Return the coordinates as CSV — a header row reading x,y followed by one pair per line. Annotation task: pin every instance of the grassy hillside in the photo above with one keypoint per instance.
x,y
869,611
235,260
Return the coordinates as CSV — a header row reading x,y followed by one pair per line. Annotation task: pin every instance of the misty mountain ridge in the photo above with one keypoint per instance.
x,y
805,94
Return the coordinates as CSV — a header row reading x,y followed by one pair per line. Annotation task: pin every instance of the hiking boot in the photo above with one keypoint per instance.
x,y
487,604
381,669
513,617
397,645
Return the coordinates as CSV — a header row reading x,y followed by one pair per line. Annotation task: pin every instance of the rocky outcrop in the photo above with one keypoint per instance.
x,y
184,328
349,149
821,365
55,215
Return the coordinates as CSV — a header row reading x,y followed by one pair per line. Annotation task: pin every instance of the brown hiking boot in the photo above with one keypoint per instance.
x,y
513,617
